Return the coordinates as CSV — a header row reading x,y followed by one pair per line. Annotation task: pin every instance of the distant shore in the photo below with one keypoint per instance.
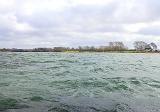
x,y
77,51
113,47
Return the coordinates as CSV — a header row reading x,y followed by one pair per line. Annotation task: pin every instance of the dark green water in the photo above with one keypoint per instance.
x,y
79,82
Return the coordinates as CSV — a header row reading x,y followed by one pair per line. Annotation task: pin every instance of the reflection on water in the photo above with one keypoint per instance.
x,y
79,82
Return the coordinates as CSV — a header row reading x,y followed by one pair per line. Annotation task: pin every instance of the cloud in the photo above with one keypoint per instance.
x,y
49,23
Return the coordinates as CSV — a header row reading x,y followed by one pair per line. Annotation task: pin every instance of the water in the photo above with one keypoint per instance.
x,y
79,82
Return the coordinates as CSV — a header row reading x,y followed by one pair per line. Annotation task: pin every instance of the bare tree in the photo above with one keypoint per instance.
x,y
111,44
140,45
153,46
116,45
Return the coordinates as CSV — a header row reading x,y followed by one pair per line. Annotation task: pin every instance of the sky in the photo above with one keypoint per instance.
x,y
73,23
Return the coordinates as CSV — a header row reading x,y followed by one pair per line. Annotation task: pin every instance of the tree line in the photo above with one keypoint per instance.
x,y
139,46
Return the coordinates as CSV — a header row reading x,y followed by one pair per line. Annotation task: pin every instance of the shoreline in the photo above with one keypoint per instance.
x,y
82,52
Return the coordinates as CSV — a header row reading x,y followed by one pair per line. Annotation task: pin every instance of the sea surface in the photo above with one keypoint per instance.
x,y
79,82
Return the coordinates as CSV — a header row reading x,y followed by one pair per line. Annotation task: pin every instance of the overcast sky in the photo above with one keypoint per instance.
x,y
49,23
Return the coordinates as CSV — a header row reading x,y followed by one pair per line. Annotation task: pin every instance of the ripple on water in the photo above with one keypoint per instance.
x,y
36,98
91,84
86,104
4,84
9,103
68,61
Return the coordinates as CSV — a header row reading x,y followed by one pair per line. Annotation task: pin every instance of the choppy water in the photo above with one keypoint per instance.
x,y
79,82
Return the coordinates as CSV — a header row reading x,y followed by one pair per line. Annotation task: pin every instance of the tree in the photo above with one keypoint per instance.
x,y
92,48
140,45
59,49
80,48
117,46
153,46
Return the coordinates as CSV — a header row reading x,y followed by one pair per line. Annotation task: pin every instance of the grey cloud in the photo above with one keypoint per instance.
x,y
151,30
